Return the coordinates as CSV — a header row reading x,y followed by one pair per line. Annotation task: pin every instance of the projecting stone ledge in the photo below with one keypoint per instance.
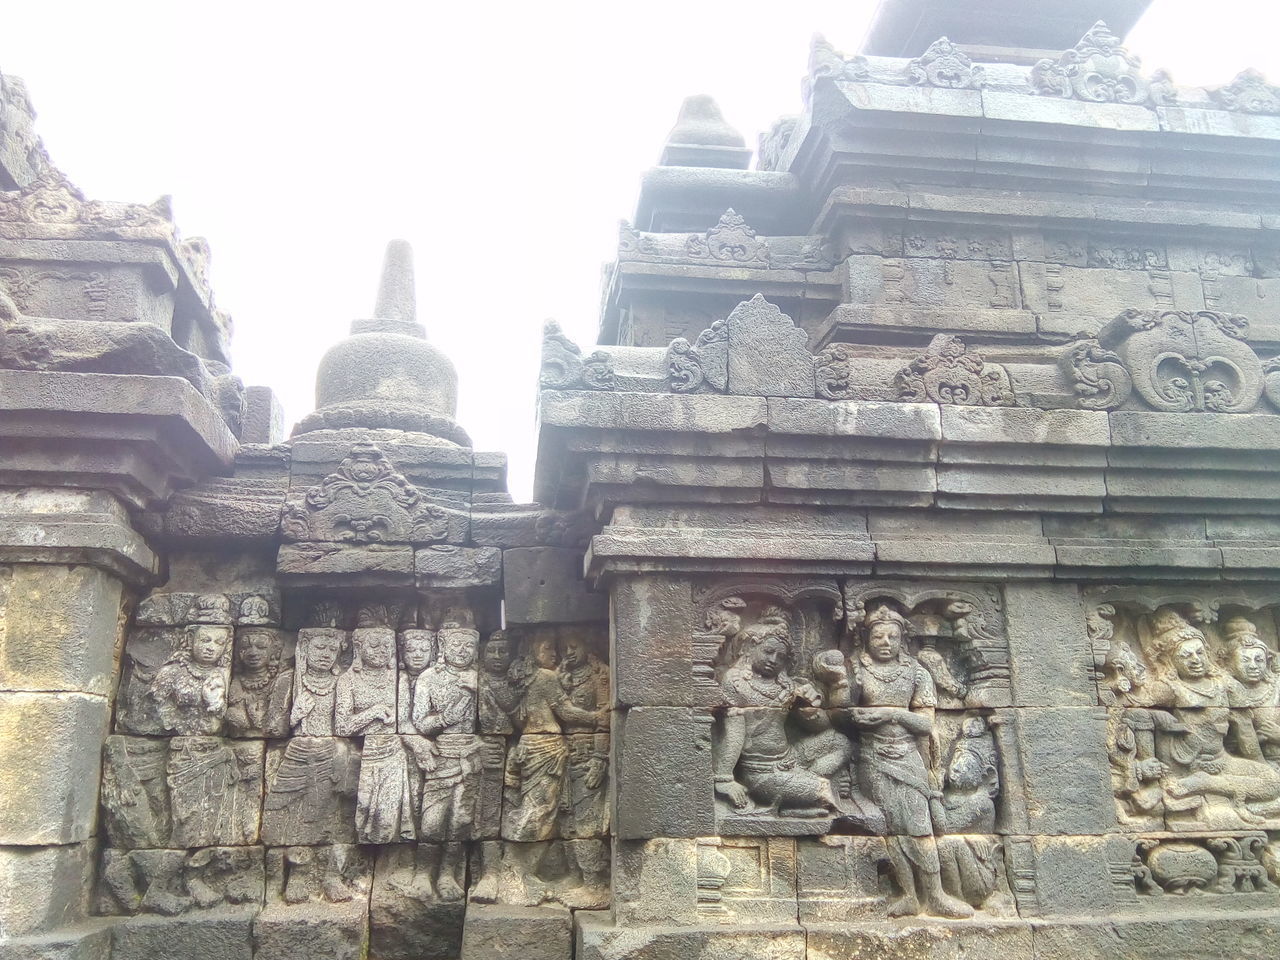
x,y
137,436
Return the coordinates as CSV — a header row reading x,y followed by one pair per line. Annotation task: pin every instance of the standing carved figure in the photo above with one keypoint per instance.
x,y
258,698
894,700
209,805
536,764
585,681
417,650
1252,663
444,695
190,690
755,759
497,693
444,707
303,803
365,706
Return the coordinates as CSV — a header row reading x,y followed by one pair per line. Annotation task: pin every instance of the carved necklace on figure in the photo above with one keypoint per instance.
x,y
319,685
256,681
885,672
773,689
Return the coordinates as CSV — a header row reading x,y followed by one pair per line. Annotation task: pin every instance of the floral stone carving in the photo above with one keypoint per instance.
x,y
564,367
949,372
945,65
1184,361
1098,376
730,239
1099,69
1249,92
365,501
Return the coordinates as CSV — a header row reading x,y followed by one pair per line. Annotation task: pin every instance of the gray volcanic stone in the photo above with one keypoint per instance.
x,y
494,932
662,773
768,356
545,585
217,936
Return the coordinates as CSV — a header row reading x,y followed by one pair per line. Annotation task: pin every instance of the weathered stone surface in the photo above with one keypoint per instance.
x,y
1062,751
1048,674
448,567
54,743
663,774
57,628
941,939
535,933
545,585
222,936
338,930
43,888
418,902
597,940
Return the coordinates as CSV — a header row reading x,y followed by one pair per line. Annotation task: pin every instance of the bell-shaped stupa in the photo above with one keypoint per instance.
x,y
386,375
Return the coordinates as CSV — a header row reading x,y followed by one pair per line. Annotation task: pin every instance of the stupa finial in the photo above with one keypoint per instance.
x,y
397,297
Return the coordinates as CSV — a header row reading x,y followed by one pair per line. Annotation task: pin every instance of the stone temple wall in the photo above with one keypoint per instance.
x,y
901,581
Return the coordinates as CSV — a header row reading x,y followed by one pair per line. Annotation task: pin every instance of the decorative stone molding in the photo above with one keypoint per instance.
x,y
705,362
1183,361
1099,69
1098,376
1249,92
949,372
729,240
564,367
945,65
365,501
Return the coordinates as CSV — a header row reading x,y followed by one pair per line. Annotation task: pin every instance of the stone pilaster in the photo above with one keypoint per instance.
x,y
69,560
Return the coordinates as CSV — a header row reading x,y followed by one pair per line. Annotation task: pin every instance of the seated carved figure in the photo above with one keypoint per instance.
x,y
757,757
1205,785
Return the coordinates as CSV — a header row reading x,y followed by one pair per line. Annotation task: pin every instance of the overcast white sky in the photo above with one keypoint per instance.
x,y
505,140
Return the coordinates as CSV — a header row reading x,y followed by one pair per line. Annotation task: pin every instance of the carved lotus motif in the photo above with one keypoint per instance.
x,y
1249,93
1184,361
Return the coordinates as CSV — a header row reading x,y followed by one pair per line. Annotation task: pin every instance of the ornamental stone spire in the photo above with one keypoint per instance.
x,y
385,374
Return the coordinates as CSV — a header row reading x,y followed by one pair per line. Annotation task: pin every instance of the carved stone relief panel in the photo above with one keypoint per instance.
x,y
175,677
1194,704
175,882
864,711
571,873
556,779
329,874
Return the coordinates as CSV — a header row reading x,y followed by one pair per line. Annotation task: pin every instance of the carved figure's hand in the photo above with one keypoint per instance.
x,y
602,720
830,670
872,716
595,776
1150,769
214,692
808,693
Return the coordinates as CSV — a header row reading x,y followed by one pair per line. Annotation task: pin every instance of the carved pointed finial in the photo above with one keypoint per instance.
x,y
397,299
703,138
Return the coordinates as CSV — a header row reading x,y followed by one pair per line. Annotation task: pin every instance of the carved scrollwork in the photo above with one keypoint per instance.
x,y
1184,361
564,368
704,362
365,501
1098,376
832,372
1099,69
949,372
828,63
731,239
1249,92
945,65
